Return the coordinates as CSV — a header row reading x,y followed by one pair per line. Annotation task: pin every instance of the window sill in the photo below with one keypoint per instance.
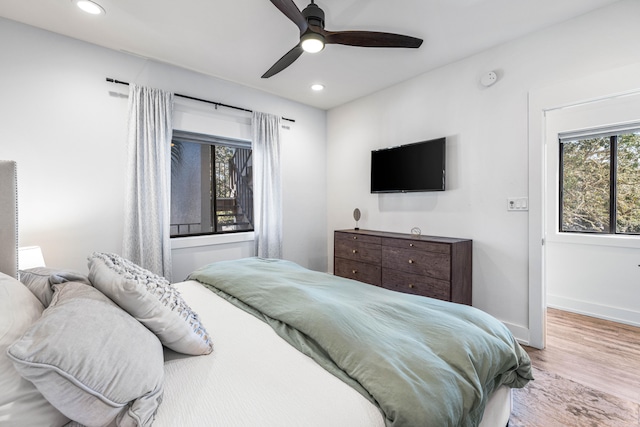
x,y
619,241
211,240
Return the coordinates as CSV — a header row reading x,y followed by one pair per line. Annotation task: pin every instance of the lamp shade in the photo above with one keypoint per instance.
x,y
30,257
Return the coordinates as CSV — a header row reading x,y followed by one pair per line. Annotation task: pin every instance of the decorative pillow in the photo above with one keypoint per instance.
x,y
21,404
91,360
40,279
152,300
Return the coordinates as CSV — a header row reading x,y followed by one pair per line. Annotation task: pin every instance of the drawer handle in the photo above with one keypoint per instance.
x,y
411,245
355,237
411,261
354,271
355,251
411,286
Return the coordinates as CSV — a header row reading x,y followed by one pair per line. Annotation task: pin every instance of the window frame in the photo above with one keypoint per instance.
x,y
613,134
211,140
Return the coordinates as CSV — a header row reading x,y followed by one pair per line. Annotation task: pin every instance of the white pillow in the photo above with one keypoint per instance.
x,y
91,360
152,300
39,280
21,404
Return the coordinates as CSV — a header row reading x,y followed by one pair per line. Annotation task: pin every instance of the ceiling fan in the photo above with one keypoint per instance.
x,y
313,36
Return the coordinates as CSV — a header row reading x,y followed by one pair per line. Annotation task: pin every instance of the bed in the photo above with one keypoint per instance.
x,y
271,364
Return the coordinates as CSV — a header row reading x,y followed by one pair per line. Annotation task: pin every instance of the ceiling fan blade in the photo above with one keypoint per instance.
x,y
289,8
284,62
371,39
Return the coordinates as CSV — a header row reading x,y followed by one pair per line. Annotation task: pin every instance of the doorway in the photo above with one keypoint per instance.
x,y
594,101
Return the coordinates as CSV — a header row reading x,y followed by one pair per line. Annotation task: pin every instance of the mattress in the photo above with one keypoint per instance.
x,y
253,377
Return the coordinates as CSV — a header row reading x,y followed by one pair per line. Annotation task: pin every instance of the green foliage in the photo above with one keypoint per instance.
x,y
586,185
223,156
628,184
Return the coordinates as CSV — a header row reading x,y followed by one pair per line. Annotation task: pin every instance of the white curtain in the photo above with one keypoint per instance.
x,y
267,195
147,203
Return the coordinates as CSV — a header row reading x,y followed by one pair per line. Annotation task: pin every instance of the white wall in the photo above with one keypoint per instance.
x,y
66,127
487,157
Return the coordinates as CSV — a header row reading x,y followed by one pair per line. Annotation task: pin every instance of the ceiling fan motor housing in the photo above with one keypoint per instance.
x,y
314,15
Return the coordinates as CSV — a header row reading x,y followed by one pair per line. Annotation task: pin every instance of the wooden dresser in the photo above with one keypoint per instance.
x,y
436,267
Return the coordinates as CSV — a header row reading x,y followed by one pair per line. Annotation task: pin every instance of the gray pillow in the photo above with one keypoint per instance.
x,y
91,360
39,280
152,300
21,404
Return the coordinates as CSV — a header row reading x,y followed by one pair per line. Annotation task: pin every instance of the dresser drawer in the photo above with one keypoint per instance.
x,y
417,244
360,271
416,284
432,264
355,237
357,250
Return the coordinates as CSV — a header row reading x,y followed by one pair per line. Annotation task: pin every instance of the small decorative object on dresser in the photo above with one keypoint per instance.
x,y
436,267
356,216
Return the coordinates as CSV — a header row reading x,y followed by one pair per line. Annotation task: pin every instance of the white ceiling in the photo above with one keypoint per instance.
x,y
238,40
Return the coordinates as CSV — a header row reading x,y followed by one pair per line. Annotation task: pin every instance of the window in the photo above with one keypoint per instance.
x,y
600,181
211,185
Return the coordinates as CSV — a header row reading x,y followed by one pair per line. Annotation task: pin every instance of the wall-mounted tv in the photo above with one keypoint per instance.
x,y
412,167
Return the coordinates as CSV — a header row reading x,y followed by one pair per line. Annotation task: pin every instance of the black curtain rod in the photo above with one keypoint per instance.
x,y
217,104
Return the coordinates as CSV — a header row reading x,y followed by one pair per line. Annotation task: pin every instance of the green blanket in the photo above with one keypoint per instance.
x,y
422,361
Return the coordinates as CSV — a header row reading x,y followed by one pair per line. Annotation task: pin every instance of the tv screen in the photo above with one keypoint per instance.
x,y
412,167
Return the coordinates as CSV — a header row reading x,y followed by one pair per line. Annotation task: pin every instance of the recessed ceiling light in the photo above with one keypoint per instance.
x,y
317,87
90,7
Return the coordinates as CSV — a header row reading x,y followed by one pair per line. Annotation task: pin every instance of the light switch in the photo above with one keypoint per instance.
x,y
518,204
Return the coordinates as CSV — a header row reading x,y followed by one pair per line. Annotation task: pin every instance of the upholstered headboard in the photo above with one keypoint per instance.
x,y
8,218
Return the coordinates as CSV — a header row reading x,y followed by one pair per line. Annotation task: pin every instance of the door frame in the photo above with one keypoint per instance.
x,y
602,85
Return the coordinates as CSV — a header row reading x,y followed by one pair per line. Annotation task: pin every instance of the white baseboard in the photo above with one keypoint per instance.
x,y
615,314
520,333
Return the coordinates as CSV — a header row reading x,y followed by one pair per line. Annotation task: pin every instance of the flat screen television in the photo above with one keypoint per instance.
x,y
412,167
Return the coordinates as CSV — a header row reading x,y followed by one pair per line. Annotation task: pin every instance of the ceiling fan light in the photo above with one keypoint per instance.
x,y
90,7
312,42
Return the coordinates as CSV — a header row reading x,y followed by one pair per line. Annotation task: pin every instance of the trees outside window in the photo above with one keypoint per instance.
x,y
600,183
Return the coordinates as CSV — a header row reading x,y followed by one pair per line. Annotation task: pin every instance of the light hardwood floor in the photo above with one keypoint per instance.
x,y
589,375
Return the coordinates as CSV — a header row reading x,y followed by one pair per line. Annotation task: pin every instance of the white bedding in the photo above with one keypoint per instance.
x,y
254,378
